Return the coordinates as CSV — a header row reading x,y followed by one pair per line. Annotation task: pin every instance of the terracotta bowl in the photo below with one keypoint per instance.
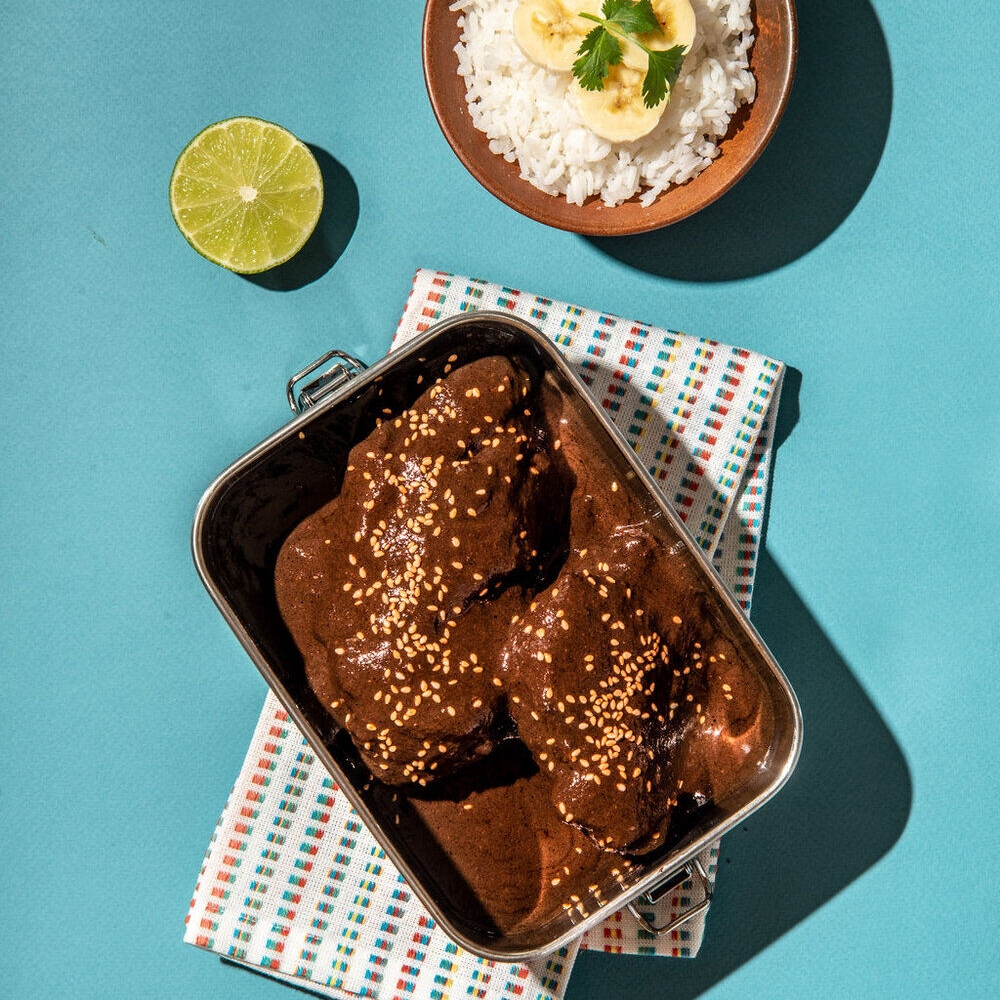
x,y
772,61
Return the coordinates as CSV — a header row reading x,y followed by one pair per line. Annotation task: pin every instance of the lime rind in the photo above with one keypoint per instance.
x,y
246,194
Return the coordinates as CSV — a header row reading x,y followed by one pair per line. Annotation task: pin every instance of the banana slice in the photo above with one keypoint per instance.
x,y
618,113
678,22
550,32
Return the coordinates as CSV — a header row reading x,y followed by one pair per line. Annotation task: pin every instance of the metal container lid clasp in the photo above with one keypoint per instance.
x,y
333,378
693,870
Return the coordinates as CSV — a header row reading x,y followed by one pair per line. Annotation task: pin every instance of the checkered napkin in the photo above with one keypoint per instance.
x,y
292,883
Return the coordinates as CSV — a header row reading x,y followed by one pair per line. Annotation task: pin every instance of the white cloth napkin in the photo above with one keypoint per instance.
x,y
292,883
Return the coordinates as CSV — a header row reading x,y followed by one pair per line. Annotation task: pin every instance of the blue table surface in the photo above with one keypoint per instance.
x,y
862,249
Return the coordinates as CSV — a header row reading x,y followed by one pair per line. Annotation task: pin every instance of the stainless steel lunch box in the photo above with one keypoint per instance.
x,y
248,511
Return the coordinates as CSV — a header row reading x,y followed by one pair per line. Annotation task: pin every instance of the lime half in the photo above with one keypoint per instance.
x,y
246,194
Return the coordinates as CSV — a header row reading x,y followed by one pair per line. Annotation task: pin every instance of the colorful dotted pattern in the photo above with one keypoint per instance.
x,y
292,882
294,885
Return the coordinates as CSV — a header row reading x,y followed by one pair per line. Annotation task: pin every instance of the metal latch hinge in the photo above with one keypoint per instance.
x,y
346,368
694,871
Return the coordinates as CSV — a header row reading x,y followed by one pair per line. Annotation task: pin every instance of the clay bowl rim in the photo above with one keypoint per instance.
x,y
772,60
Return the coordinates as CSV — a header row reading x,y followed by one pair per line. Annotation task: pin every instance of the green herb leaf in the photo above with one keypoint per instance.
x,y
601,49
661,74
598,52
633,18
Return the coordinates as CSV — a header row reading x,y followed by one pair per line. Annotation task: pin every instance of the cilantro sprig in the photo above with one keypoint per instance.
x,y
601,49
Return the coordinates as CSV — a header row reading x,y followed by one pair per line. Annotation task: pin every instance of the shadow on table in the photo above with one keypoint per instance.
x,y
808,180
843,809
329,239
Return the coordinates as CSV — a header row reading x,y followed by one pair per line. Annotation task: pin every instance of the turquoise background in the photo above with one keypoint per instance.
x,y
862,250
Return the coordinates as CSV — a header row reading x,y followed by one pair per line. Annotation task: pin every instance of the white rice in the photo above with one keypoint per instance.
x,y
530,117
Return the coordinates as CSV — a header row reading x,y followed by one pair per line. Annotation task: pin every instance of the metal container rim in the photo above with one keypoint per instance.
x,y
670,865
